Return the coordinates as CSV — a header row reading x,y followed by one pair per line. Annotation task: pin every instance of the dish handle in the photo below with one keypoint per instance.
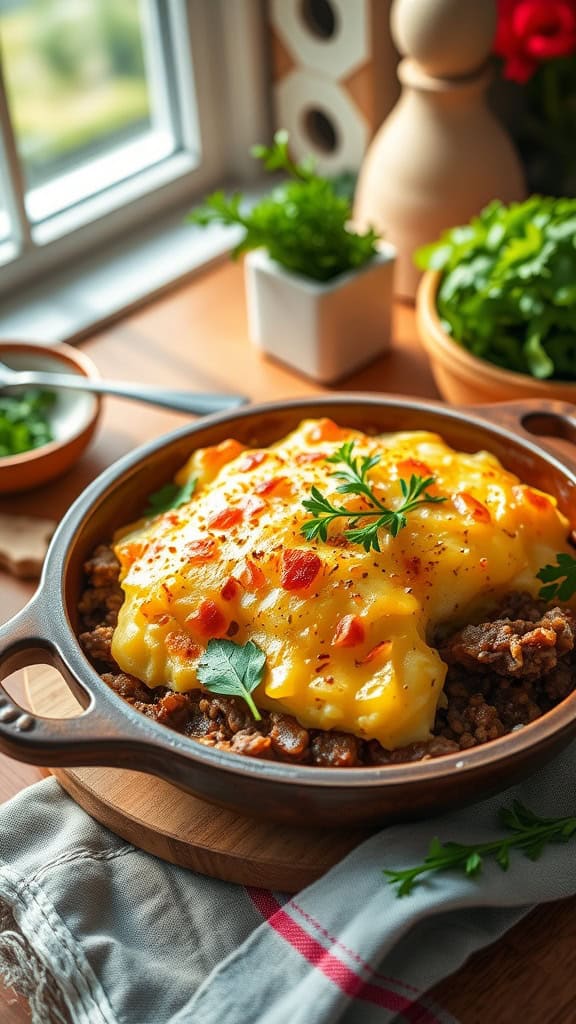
x,y
544,420
92,737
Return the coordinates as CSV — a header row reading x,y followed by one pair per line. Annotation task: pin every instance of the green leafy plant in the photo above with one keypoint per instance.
x,y
560,579
233,669
24,421
354,475
170,496
303,223
508,287
529,833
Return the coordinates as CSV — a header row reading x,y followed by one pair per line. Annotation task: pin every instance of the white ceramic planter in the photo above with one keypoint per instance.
x,y
324,331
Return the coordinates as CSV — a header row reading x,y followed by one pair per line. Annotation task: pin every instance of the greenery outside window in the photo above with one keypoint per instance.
x,y
114,113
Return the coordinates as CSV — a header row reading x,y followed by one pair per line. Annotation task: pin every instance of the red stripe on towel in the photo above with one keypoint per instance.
x,y
325,961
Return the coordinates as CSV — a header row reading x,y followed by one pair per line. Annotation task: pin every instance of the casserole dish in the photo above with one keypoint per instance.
x,y
111,732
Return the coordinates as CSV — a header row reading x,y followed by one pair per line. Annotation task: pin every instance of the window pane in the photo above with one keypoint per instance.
x,y
79,88
4,222
6,225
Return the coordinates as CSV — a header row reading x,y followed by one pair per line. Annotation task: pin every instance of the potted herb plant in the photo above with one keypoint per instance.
x,y
319,293
496,307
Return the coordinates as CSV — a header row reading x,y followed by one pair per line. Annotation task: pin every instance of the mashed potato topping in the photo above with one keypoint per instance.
x,y
348,634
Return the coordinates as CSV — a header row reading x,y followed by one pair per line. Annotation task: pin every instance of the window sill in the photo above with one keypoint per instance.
x,y
98,289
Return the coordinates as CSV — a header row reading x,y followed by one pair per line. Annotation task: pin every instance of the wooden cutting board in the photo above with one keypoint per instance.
x,y
169,823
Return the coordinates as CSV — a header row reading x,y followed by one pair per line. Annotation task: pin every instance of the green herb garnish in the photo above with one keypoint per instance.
x,y
508,289
354,480
230,668
304,224
24,421
170,496
530,834
552,575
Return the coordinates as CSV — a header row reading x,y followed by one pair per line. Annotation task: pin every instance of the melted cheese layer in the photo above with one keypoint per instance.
x,y
346,632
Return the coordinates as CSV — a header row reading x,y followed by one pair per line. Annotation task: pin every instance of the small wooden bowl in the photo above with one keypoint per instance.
x,y
463,378
73,418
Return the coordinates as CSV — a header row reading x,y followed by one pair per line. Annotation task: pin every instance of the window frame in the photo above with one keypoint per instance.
x,y
223,107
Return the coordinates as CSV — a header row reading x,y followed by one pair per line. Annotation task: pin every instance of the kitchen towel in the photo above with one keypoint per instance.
x,y
94,931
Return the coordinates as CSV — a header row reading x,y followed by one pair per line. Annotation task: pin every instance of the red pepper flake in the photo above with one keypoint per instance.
x,y
483,563
225,519
251,576
251,460
154,551
199,551
413,565
209,620
180,643
303,457
349,632
534,498
340,541
326,430
230,589
167,591
299,568
253,506
381,650
230,447
131,552
273,483
218,455
410,467
467,504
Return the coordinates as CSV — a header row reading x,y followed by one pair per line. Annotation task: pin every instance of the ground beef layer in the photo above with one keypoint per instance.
x,y
502,674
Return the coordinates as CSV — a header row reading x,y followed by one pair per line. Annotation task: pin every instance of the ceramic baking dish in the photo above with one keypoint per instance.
x,y
110,732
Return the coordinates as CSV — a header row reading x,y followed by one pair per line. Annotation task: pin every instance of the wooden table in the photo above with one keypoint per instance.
x,y
196,336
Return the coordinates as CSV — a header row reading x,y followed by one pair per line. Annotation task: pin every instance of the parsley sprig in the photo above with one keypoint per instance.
x,y
353,475
529,833
233,669
303,223
560,579
25,421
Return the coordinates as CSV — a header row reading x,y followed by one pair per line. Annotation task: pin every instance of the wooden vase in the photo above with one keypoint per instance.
x,y
441,155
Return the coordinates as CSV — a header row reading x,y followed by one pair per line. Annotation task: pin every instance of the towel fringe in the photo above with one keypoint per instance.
x,y
21,970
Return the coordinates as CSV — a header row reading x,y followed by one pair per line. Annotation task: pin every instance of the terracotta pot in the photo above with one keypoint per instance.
x,y
462,377
111,732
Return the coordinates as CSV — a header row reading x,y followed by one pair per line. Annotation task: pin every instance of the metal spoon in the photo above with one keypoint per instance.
x,y
184,401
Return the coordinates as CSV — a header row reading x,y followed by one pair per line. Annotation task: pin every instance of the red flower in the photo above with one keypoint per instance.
x,y
532,31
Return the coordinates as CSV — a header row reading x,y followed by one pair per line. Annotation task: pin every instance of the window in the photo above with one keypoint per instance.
x,y
114,113
77,86
4,221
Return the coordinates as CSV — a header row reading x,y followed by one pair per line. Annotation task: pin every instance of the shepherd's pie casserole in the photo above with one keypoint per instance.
x,y
357,637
